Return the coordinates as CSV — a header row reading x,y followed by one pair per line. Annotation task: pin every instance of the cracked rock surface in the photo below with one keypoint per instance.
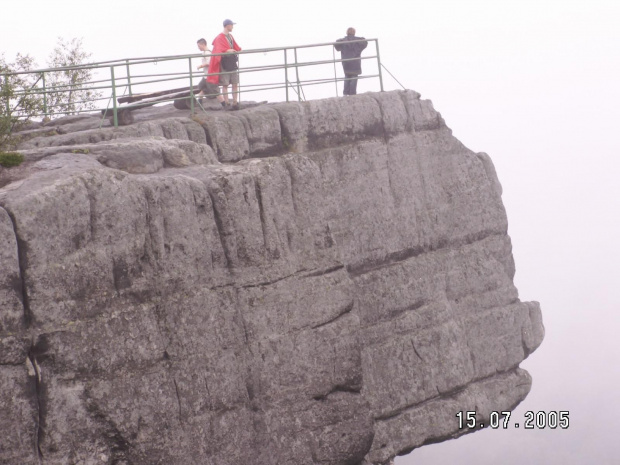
x,y
318,283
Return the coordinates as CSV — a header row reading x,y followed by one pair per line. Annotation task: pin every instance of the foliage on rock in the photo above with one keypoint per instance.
x,y
10,159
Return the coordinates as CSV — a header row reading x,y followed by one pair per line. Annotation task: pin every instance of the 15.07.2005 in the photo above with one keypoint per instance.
x,y
532,420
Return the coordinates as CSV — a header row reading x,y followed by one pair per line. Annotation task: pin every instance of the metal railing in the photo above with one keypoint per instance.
x,y
293,69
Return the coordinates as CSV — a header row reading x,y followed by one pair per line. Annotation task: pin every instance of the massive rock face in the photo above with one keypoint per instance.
x,y
312,283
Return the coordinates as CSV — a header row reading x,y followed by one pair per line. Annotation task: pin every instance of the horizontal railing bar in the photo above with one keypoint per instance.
x,y
67,87
301,83
135,61
265,87
275,87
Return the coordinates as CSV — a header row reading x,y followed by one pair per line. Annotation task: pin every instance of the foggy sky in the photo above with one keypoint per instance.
x,y
535,84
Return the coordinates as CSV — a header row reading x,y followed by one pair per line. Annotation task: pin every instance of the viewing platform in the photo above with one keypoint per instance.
x,y
118,87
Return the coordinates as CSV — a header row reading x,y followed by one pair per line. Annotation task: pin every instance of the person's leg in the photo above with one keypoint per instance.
x,y
347,85
202,87
214,90
224,82
353,85
235,95
234,79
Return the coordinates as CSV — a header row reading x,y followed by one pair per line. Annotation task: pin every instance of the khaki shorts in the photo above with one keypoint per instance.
x,y
229,78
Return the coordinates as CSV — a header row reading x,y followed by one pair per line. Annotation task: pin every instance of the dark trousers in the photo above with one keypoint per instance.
x,y
350,85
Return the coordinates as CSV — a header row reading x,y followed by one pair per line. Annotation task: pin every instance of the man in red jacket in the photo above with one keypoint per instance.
x,y
226,64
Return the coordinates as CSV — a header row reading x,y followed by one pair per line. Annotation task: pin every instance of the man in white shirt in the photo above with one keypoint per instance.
x,y
212,90
202,46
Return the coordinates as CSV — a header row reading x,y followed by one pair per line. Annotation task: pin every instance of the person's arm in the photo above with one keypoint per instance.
x,y
236,47
338,47
359,46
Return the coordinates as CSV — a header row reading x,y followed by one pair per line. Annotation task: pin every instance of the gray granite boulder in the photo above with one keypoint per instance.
x,y
312,283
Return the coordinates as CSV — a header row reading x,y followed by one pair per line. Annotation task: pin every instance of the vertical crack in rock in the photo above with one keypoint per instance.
x,y
261,210
159,322
176,389
245,125
385,136
209,399
285,136
20,287
286,144
417,353
247,353
116,278
526,351
292,185
335,358
38,391
91,205
410,124
386,141
220,227
243,322
151,240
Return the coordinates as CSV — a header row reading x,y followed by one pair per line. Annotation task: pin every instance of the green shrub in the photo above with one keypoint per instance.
x,y
9,159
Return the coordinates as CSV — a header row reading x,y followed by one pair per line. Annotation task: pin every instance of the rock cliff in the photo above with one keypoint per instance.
x,y
327,282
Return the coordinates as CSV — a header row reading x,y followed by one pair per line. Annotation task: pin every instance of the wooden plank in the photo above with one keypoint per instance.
x,y
138,97
147,102
161,98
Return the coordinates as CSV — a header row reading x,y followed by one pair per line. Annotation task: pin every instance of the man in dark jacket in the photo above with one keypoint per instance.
x,y
350,48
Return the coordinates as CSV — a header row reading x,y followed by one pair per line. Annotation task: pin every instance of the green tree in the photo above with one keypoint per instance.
x,y
19,100
67,89
70,91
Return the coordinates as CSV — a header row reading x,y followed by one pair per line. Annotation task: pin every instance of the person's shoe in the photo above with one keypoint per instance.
x,y
235,107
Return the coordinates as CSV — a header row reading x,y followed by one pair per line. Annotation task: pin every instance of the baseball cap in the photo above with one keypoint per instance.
x,y
227,22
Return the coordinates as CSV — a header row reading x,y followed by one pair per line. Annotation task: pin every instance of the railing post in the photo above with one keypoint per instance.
x,y
114,105
44,95
239,85
8,100
286,72
297,75
335,76
191,87
128,78
379,64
